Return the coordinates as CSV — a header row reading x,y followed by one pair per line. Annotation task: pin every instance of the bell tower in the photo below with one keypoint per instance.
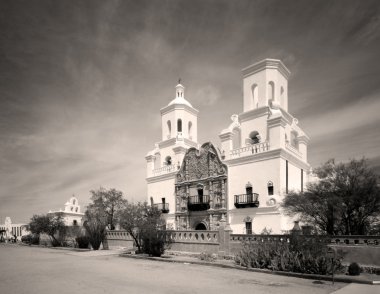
x,y
179,119
264,83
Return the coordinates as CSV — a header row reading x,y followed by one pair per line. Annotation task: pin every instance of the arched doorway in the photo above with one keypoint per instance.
x,y
201,227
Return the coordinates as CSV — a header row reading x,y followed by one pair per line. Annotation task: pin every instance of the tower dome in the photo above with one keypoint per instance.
x,y
180,95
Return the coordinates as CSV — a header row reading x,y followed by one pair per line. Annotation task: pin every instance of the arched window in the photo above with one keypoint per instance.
x,y
75,222
270,188
282,102
236,138
71,208
157,160
190,128
255,95
179,125
271,91
168,160
73,201
169,128
255,137
294,139
76,209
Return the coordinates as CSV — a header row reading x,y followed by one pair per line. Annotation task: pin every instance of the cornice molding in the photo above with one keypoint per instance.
x,y
271,154
172,107
256,210
254,113
277,121
266,64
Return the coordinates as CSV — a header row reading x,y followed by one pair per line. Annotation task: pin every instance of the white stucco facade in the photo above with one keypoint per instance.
x,y
71,214
10,229
263,148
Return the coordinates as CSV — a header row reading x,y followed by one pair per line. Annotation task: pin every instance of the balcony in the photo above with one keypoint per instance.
x,y
249,150
247,200
164,207
198,203
164,170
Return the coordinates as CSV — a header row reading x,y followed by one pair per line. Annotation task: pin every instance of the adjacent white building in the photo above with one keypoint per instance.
x,y
262,156
9,229
71,214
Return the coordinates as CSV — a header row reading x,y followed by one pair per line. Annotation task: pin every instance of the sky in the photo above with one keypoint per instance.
x,y
82,84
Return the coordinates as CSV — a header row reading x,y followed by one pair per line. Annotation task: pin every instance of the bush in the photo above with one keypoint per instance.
x,y
207,256
302,255
32,239
83,241
354,269
154,242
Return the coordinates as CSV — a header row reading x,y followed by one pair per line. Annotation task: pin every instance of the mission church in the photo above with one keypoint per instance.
x,y
262,155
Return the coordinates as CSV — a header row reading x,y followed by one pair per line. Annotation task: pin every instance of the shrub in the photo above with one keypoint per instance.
x,y
354,269
154,242
207,256
83,241
32,239
302,255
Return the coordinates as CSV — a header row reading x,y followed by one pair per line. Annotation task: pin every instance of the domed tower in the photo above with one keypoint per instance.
x,y
179,124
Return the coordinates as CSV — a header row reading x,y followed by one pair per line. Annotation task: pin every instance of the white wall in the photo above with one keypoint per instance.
x,y
163,189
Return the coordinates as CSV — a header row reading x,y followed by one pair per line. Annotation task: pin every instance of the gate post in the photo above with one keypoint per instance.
x,y
224,239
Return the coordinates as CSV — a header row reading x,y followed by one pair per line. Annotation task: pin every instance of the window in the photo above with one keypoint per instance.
x,y
255,95
236,138
248,188
169,128
157,160
270,188
75,222
71,208
282,97
76,209
168,160
248,228
200,194
255,137
163,200
190,128
73,201
179,125
271,90
293,139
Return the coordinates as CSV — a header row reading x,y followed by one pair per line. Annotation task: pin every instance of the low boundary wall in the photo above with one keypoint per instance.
x,y
362,249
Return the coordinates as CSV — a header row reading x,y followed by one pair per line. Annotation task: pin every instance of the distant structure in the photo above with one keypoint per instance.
x,y
9,230
72,214
262,156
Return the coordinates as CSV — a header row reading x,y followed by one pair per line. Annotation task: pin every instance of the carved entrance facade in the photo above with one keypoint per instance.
x,y
201,190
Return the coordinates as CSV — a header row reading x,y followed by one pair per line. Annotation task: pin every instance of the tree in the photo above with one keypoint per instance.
x,y
345,199
48,224
143,222
110,201
95,223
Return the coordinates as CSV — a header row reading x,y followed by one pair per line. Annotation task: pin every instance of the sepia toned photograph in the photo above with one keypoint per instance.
x,y
189,146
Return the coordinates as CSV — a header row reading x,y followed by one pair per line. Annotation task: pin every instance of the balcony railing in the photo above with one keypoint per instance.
x,y
249,150
247,200
164,207
165,170
197,203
